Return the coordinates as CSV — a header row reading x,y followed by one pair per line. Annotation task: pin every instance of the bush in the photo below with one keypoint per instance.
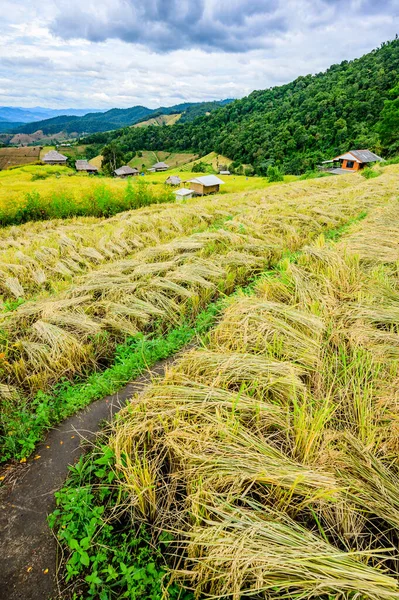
x,y
249,171
199,167
274,174
369,173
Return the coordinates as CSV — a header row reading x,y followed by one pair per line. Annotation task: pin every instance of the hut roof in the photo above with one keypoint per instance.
x,y
53,155
160,165
126,170
361,156
207,180
224,173
183,192
84,165
173,180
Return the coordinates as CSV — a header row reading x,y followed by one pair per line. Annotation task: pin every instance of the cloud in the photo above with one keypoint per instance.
x,y
26,62
107,53
164,26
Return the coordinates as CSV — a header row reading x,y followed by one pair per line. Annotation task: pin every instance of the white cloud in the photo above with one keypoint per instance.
x,y
274,43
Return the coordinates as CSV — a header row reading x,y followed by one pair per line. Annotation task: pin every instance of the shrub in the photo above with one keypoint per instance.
x,y
369,173
274,174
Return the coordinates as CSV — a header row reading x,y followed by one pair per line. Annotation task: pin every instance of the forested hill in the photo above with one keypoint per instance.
x,y
116,118
295,125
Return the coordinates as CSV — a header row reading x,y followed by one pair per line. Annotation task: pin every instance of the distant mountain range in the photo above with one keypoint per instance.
x,y
16,114
95,122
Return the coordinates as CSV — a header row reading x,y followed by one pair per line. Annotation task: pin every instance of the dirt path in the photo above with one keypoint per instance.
x,y
28,549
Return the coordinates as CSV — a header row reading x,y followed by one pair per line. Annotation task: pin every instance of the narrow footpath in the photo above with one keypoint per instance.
x,y
28,548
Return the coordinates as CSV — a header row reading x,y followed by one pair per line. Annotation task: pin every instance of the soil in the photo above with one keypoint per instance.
x,y
28,548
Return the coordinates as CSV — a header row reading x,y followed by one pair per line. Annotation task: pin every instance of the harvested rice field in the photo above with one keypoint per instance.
x,y
263,463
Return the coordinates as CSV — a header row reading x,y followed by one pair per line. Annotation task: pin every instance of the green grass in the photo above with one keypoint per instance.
x,y
27,421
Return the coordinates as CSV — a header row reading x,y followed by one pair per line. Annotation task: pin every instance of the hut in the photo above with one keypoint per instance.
x,y
351,161
126,171
158,167
54,158
224,173
183,194
83,166
208,184
173,180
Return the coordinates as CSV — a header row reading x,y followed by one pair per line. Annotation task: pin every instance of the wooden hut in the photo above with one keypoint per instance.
x,y
83,166
183,194
158,167
173,180
126,171
208,184
54,158
351,161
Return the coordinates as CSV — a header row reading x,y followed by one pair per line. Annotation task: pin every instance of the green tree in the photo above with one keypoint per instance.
x,y
388,126
113,158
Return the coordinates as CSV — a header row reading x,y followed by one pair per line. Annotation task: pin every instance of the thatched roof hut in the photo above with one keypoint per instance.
x,y
85,166
173,180
126,171
54,158
160,166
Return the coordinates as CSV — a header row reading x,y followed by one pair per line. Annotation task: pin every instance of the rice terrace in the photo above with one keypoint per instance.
x,y
199,327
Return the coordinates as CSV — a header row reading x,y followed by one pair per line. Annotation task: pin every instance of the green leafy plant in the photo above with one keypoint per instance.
x,y
108,556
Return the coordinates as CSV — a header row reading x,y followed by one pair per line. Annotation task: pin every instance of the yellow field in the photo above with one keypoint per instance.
x,y
15,184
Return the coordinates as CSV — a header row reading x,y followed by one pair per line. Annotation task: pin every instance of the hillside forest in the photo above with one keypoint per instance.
x,y
294,126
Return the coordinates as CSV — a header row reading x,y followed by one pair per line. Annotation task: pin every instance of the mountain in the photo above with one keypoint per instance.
x,y
113,119
6,126
295,126
38,113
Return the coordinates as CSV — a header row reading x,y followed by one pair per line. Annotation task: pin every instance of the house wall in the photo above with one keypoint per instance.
x,y
55,162
203,190
356,165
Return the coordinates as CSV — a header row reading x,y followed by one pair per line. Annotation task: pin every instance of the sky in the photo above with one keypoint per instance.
x,y
119,53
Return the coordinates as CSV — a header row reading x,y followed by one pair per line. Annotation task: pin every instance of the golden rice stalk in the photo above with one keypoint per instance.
x,y
91,253
7,392
12,284
279,381
227,458
277,330
39,276
58,340
255,551
372,484
76,322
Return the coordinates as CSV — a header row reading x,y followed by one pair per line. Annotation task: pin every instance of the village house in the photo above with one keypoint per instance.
x,y
183,194
158,167
224,173
208,184
173,180
82,166
126,171
54,158
351,161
